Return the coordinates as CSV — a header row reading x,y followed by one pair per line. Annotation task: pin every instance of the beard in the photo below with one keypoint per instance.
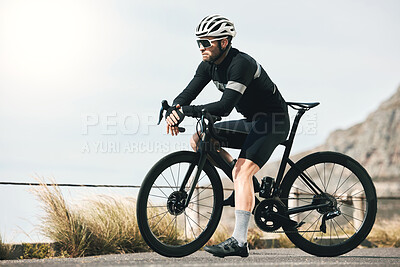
x,y
213,58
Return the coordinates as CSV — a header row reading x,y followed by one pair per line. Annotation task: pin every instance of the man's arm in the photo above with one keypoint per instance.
x,y
223,107
196,85
240,76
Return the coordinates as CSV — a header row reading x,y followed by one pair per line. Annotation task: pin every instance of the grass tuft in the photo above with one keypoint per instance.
x,y
386,233
62,224
5,250
101,225
105,225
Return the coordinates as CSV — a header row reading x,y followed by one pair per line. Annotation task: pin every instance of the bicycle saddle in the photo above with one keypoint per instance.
x,y
298,105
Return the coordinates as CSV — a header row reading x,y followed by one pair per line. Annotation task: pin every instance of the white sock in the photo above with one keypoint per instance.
x,y
241,226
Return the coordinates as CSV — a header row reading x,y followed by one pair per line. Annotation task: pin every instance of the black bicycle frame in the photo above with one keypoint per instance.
x,y
286,160
206,148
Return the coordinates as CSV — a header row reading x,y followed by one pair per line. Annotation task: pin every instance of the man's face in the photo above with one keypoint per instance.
x,y
211,53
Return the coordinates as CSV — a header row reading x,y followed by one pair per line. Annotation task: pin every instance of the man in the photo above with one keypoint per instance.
x,y
246,86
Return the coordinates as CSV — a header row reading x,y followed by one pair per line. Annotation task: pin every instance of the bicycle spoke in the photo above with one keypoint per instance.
x,y
305,184
159,188
324,185
196,223
195,203
352,207
311,225
306,216
340,178
345,215
198,182
330,175
167,181
208,187
203,198
335,229
179,172
198,213
315,229
172,176
348,189
161,219
343,183
362,191
340,227
194,236
158,196
166,228
158,215
319,176
294,187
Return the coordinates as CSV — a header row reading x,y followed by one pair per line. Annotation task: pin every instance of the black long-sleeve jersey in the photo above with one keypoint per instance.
x,y
244,83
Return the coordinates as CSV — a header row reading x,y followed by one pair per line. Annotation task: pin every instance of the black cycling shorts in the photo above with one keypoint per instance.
x,y
257,139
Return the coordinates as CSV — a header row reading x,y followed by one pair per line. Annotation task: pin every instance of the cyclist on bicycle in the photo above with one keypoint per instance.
x,y
246,86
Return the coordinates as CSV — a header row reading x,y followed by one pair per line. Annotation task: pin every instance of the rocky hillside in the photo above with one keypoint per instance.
x,y
375,143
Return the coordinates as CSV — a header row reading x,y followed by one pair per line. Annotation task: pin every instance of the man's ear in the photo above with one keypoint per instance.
x,y
224,43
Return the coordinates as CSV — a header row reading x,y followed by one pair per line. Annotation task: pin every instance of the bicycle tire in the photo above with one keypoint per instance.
x,y
352,188
185,241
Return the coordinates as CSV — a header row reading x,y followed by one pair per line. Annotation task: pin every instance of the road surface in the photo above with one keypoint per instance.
x,y
263,257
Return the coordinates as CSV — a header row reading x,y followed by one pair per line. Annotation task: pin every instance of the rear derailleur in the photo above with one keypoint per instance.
x,y
328,212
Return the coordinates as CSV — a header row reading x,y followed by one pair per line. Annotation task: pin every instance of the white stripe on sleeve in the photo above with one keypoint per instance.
x,y
236,86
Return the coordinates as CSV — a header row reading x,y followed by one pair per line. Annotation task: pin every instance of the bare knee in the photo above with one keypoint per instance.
x,y
194,141
244,170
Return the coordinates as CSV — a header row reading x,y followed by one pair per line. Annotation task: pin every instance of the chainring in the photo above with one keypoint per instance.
x,y
263,214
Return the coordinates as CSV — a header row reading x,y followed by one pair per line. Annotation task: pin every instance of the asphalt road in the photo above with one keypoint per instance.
x,y
264,257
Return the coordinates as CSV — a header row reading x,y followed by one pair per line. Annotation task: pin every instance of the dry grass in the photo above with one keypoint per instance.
x,y
100,225
5,250
62,224
386,233
105,224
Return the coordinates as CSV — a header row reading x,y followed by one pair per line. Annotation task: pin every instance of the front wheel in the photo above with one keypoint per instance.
x,y
167,226
348,189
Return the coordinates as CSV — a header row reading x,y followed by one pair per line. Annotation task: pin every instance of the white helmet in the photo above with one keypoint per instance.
x,y
215,26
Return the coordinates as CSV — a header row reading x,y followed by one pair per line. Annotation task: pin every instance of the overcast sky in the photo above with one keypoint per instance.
x,y
81,81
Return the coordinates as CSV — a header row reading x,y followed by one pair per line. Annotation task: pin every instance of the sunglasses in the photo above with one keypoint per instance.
x,y
206,42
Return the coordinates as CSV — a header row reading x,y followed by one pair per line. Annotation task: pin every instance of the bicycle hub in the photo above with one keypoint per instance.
x,y
176,202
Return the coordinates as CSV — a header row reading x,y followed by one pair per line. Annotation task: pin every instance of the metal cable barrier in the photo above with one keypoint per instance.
x,y
92,185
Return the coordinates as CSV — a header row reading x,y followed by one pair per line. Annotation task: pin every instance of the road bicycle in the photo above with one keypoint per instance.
x,y
325,203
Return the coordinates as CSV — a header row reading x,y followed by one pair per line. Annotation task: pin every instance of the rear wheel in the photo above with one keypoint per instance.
x,y
165,224
351,212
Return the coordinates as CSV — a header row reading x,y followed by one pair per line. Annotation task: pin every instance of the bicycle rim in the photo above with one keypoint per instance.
x,y
168,228
347,184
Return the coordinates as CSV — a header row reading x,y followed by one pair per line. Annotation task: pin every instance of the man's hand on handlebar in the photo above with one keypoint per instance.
x,y
173,119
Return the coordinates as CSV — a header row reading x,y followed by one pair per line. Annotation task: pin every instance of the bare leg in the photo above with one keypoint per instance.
x,y
243,183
